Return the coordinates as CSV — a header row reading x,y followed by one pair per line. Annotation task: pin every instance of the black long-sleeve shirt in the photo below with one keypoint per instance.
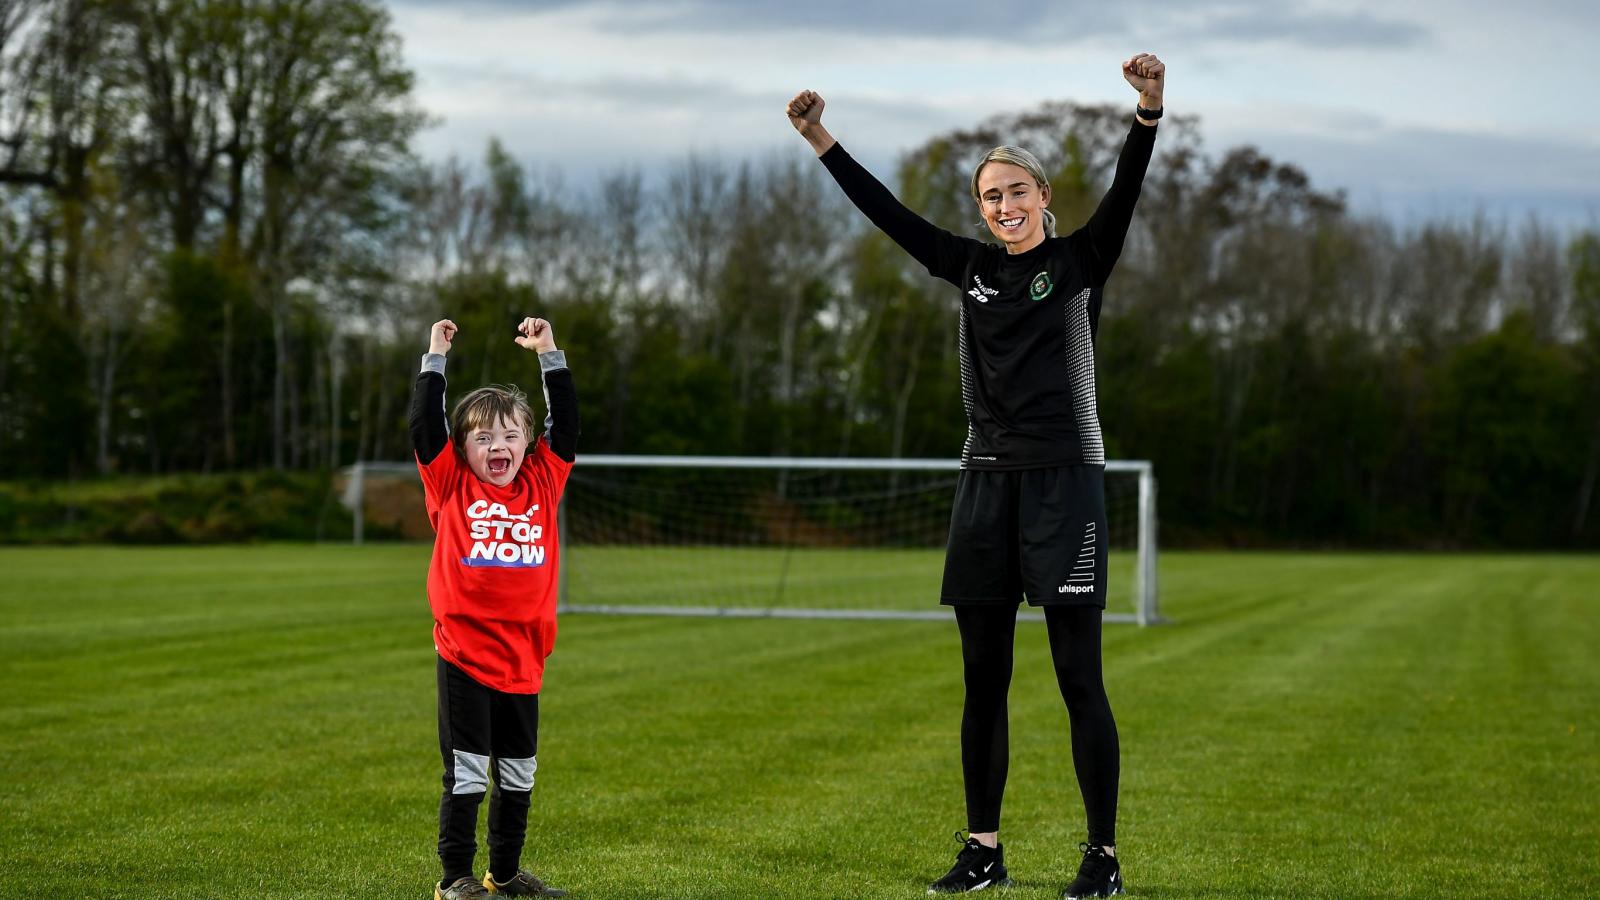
x,y
430,430
1028,321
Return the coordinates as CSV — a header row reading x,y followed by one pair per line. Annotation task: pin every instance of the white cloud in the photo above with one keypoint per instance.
x,y
1343,90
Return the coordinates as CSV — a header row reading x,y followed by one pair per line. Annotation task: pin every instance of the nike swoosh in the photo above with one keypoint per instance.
x,y
988,867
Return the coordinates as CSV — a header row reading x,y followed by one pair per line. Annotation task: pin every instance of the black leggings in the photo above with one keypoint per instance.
x,y
486,737
987,633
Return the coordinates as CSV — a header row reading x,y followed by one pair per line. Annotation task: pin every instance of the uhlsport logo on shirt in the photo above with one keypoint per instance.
x,y
502,540
981,293
1041,286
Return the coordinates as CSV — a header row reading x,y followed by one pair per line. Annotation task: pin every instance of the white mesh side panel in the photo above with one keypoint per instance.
x,y
1080,378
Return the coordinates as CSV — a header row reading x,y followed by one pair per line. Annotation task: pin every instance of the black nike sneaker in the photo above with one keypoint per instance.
x,y
1098,876
977,867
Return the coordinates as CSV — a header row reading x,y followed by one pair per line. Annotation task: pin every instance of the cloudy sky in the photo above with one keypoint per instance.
x,y
1416,108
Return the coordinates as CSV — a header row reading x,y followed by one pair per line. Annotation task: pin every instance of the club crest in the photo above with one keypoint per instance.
x,y
1041,286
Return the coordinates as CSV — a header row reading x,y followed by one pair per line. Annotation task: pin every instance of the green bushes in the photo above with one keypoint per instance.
x,y
179,509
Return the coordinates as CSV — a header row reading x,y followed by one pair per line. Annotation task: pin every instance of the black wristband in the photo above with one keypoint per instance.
x,y
1149,115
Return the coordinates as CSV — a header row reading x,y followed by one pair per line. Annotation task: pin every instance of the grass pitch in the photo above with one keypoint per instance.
x,y
258,722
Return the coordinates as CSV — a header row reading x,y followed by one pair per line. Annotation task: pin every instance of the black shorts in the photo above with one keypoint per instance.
x,y
1035,532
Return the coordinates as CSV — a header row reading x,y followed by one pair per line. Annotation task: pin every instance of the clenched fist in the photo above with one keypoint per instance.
x,y
1148,75
536,335
805,110
439,338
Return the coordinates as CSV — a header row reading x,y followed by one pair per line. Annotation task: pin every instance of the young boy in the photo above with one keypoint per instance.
x,y
491,491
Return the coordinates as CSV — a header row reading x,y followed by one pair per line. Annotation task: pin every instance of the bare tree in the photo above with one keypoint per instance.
x,y
24,26
696,240
1536,280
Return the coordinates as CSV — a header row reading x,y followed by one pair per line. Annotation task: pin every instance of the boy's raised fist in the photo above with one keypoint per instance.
x,y
444,331
537,335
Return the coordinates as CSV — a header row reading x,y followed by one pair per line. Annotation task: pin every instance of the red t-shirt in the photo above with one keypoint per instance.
x,y
492,582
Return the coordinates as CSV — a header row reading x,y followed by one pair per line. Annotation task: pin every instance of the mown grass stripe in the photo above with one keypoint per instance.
x,y
258,721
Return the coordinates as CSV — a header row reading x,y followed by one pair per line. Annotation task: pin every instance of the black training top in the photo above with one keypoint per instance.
x,y
1028,322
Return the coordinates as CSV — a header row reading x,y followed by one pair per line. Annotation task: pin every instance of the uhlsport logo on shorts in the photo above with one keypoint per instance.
x,y
1075,589
1041,286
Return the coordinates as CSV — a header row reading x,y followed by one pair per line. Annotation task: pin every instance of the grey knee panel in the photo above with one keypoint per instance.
x,y
516,774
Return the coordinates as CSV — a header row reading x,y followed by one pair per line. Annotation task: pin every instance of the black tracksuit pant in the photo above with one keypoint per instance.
x,y
483,731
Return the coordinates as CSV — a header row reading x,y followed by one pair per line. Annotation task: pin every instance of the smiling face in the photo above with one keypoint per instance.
x,y
494,452
491,428
1013,205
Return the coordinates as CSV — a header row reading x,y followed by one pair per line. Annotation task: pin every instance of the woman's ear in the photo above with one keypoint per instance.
x,y
1044,195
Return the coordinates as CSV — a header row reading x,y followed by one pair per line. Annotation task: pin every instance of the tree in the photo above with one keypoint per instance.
x,y
1583,259
120,286
696,236
336,117
24,53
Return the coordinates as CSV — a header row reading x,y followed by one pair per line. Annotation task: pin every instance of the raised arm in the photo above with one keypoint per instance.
x,y
430,433
1107,229
940,252
560,394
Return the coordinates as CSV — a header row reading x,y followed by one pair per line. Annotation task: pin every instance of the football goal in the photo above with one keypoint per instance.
x,y
787,537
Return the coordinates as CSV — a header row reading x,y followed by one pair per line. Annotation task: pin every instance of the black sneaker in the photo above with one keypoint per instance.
x,y
524,884
461,889
1098,876
977,867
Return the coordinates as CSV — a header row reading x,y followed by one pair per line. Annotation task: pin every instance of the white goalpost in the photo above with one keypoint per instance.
x,y
785,537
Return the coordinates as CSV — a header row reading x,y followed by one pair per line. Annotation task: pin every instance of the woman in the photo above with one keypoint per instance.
x,y
1029,513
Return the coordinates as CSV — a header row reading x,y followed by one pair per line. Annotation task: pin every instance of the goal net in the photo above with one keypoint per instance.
x,y
767,536
762,536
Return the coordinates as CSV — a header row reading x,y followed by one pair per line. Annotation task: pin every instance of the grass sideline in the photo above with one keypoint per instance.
x,y
258,721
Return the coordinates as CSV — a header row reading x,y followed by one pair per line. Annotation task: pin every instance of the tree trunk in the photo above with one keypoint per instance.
x,y
788,338
852,386
230,447
72,226
319,413
280,368
364,401
902,400
297,442
620,391
105,382
1591,471
335,370
8,306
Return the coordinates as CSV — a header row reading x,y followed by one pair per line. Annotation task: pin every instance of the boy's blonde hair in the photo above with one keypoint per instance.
x,y
1017,156
485,407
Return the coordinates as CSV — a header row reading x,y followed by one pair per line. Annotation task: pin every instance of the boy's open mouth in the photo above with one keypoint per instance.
x,y
499,465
